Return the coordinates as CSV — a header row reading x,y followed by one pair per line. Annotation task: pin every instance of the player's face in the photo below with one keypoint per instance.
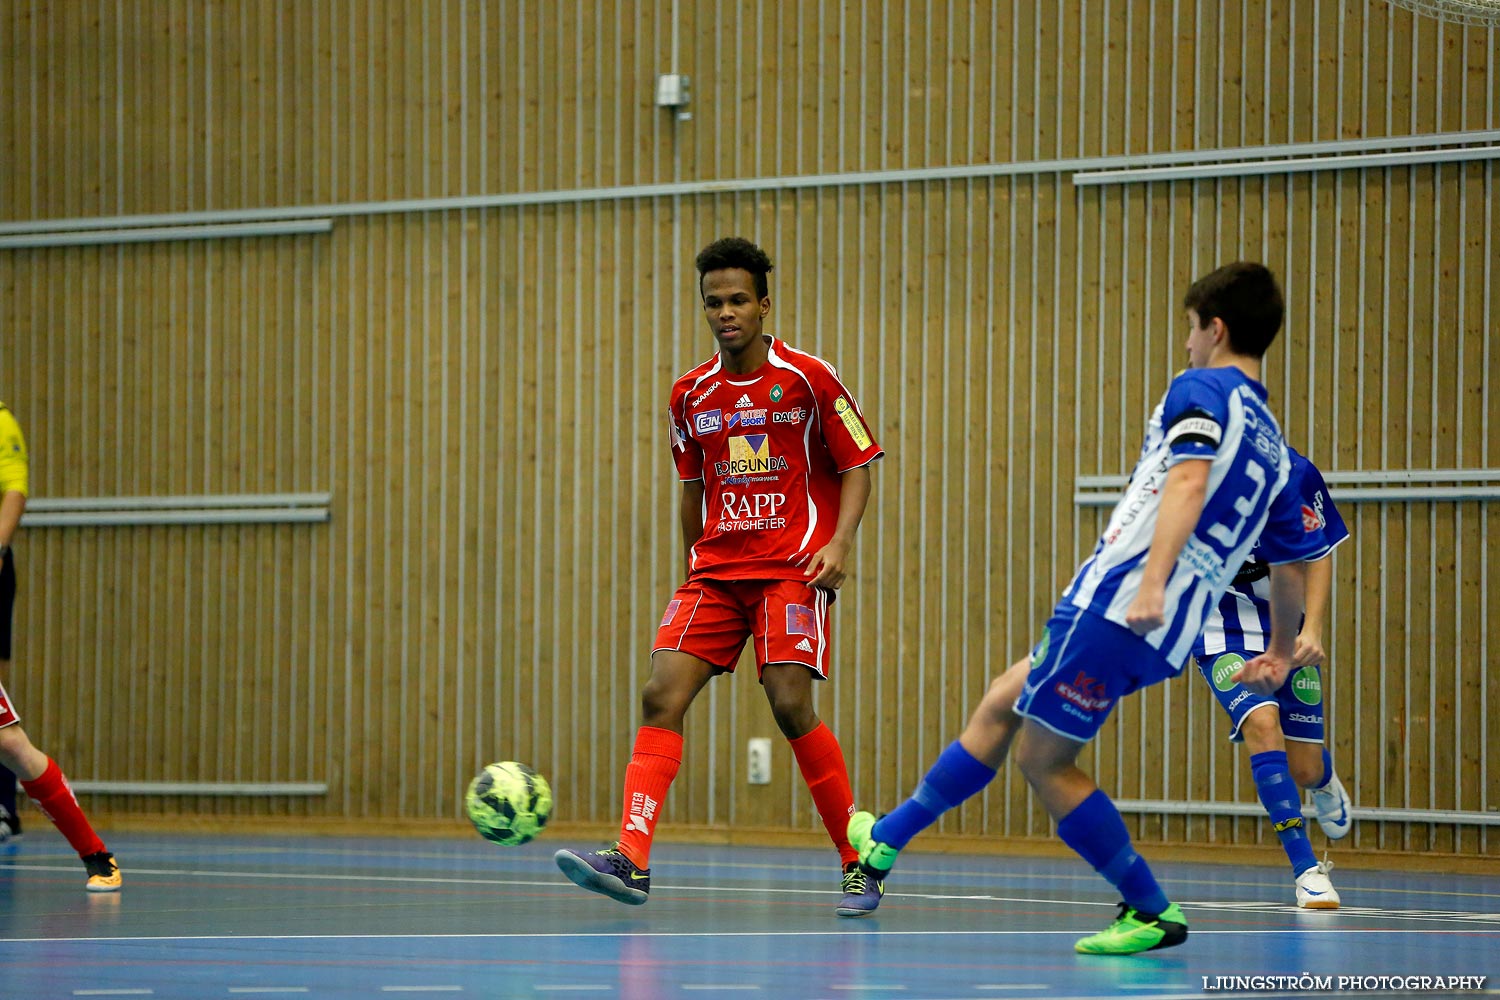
x,y
1201,340
733,311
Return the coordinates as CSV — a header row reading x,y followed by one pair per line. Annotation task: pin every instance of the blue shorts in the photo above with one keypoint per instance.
x,y
1299,700
1081,667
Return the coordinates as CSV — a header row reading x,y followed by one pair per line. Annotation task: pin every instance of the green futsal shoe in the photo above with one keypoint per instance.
x,y
874,857
1134,931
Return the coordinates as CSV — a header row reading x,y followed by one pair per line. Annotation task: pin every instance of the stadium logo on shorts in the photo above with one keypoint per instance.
x,y
1307,685
1226,667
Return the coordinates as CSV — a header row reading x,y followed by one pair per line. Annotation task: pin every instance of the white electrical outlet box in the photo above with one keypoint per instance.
x,y
758,769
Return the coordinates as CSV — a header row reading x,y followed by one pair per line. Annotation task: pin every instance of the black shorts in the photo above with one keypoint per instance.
x,y
7,602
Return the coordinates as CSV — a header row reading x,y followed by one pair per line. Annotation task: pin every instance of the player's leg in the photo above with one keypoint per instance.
x,y
10,816
1261,730
820,759
700,634
1083,666
962,770
1301,700
792,635
623,872
1089,823
47,788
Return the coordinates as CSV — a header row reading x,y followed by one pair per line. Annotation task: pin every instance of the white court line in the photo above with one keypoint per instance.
x,y
866,986
1148,986
558,883
718,986
915,872
646,935
421,989
113,993
581,987
268,989
1017,986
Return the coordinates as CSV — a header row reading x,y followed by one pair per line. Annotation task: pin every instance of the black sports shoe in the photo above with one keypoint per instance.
x,y
10,828
862,892
607,872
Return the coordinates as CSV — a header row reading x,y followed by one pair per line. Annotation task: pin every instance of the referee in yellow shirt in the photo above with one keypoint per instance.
x,y
40,776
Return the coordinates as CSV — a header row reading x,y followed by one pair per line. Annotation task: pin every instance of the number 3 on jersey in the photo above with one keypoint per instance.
x,y
1244,506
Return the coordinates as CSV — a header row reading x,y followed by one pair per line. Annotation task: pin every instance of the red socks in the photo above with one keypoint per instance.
x,y
55,799
653,765
822,764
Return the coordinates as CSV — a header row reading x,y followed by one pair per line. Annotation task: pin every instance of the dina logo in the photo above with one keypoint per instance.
x,y
1226,667
1307,685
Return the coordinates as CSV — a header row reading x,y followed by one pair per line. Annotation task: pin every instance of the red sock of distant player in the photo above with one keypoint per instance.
x,y
822,764
55,799
653,765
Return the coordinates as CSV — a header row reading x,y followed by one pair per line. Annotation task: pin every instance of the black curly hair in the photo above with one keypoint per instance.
x,y
735,251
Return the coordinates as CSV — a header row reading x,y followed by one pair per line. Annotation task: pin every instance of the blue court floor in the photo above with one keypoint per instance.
x,y
207,917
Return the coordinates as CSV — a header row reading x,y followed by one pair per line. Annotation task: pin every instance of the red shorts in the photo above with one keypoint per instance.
x,y
8,716
710,619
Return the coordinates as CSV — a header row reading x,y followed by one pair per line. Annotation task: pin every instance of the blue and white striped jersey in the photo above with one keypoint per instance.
x,y
1218,414
1242,618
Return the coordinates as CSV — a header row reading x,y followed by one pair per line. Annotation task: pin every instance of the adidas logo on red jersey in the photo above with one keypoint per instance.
x,y
744,400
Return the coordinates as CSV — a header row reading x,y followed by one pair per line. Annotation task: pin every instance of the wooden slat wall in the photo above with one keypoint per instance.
x,y
482,390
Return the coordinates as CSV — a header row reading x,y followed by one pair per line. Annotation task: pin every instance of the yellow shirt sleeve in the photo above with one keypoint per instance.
x,y
14,469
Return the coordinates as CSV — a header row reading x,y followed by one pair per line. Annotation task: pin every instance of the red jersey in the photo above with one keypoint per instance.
x,y
770,447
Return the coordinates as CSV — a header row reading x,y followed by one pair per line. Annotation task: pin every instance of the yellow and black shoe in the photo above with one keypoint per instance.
x,y
104,874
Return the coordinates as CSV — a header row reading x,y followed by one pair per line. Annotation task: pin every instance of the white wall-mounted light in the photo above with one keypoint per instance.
x,y
674,90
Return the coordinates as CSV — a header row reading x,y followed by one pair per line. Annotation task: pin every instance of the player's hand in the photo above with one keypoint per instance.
x,y
1309,651
827,566
1264,674
1147,612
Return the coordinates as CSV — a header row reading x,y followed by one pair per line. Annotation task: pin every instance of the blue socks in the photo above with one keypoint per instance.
x,y
955,777
1096,831
1283,801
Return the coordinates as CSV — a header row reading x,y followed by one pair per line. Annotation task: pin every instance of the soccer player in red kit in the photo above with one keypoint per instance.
x,y
774,455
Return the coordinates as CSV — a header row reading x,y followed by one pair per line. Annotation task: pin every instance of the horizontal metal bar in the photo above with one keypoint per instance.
x,y
255,789
1335,477
180,502
232,515
166,234
1367,494
626,193
1356,161
1163,807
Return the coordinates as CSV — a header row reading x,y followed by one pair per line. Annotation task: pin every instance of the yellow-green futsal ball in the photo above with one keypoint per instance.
x,y
508,803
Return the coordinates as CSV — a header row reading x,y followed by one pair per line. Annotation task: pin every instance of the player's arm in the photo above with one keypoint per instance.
x,y
1309,650
691,515
1182,497
1268,671
829,565
11,508
14,477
